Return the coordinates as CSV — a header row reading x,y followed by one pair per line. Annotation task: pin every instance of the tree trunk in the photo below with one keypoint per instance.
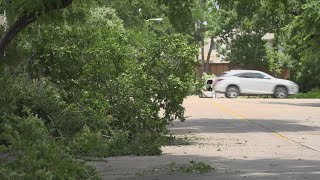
x,y
202,48
209,54
25,20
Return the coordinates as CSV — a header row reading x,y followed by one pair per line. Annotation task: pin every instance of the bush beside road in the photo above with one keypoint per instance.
x,y
315,94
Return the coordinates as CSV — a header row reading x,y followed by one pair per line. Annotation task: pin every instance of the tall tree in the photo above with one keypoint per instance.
x,y
21,13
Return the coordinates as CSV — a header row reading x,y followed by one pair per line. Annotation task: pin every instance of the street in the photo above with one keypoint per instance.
x,y
241,138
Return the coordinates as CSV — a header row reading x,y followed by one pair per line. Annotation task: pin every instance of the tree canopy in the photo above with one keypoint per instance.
x,y
241,24
93,79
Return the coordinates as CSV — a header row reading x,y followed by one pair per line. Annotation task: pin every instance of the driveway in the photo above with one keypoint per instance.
x,y
240,138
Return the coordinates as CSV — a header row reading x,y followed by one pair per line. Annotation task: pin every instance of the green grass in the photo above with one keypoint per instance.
x,y
196,167
309,95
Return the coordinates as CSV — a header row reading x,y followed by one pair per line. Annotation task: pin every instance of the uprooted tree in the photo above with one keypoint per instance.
x,y
78,80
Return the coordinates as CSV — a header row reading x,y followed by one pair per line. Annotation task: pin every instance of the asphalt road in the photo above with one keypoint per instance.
x,y
240,138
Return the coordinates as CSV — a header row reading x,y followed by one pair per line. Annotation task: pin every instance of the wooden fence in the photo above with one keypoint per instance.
x,y
218,68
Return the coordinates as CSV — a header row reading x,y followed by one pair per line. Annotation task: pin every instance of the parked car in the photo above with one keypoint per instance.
x,y
250,82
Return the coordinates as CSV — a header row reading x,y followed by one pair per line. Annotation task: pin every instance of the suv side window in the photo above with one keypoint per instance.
x,y
251,75
258,75
244,75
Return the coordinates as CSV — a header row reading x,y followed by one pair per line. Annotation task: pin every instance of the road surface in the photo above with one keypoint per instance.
x,y
240,138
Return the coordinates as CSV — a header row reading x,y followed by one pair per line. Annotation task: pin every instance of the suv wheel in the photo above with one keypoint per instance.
x,y
232,92
280,92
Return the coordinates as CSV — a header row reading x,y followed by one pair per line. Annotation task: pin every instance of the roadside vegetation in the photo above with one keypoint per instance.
x,y
240,28
196,167
192,167
314,94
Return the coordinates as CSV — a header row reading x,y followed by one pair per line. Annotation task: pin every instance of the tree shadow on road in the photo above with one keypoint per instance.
x,y
317,104
224,168
290,165
238,126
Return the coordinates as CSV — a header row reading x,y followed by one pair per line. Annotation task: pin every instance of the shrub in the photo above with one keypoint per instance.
x,y
38,156
313,94
196,167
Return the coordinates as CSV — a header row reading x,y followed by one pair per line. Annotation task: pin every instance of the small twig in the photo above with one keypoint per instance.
x,y
5,175
105,136
4,156
91,159
56,128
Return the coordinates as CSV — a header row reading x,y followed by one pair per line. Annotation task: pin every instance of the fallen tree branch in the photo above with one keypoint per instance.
x,y
61,136
105,136
5,175
4,156
91,159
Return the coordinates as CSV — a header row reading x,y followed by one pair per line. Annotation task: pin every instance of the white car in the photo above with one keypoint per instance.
x,y
250,82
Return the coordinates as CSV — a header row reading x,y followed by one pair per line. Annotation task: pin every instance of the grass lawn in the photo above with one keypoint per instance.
x,y
309,95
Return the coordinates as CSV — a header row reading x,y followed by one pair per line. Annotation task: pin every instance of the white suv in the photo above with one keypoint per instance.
x,y
250,82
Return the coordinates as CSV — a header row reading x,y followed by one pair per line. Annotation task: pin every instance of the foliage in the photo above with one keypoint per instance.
x,y
88,143
277,60
180,14
245,50
134,13
302,44
307,75
93,90
241,24
17,9
196,167
38,154
95,144
32,118
192,167
21,13
40,97
313,94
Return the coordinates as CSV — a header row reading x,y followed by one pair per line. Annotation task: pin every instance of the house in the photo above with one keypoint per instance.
x,y
218,64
